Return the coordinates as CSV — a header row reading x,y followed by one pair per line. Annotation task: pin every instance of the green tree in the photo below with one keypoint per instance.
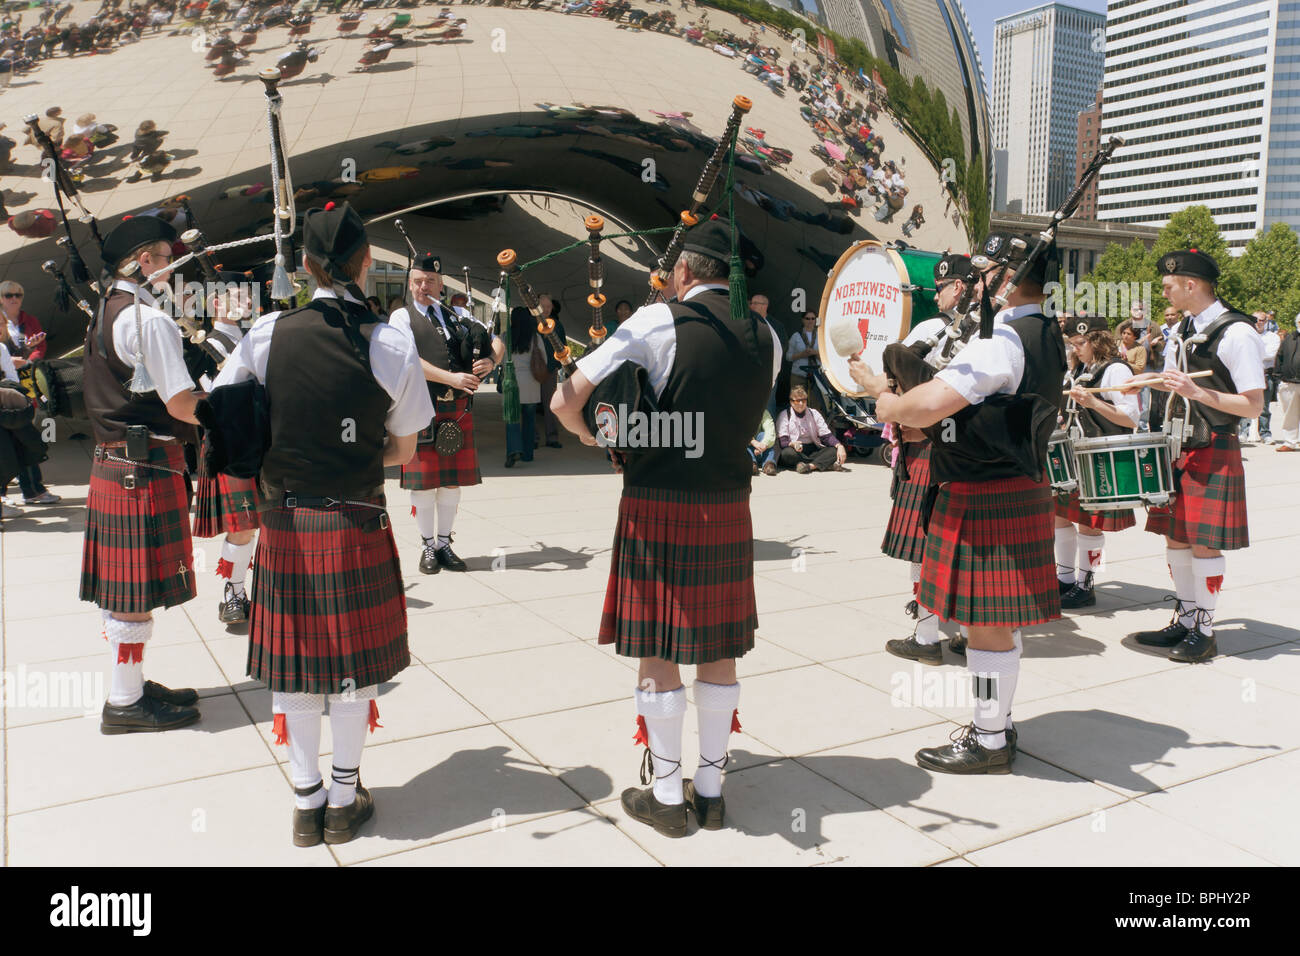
x,y
1124,265
975,188
1268,271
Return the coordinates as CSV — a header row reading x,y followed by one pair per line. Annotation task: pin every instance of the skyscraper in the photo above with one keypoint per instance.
x,y
1207,97
1047,65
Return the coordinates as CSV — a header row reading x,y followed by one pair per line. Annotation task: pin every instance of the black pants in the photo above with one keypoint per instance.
x,y
823,458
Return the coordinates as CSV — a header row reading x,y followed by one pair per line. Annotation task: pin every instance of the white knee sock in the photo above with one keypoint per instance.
x,y
297,725
1180,568
1065,554
448,501
423,503
663,715
716,704
238,556
348,727
126,639
1092,548
1207,578
994,674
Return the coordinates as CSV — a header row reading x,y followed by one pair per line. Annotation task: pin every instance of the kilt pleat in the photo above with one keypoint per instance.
x,y
137,554
224,505
428,469
989,557
904,535
1209,501
328,610
681,578
1070,509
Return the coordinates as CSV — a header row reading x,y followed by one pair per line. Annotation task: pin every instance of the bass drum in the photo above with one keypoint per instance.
x,y
873,296
59,383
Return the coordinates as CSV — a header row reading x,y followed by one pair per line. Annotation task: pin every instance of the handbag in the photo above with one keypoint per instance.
x,y
537,362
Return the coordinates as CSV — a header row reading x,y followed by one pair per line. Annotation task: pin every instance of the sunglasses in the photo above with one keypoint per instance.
x,y
12,295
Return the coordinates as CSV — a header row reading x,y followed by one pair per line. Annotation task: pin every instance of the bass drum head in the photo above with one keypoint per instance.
x,y
863,309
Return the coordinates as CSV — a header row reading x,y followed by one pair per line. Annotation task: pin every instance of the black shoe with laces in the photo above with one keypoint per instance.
x,y
958,645
180,697
308,825
147,715
912,650
1196,647
965,755
1064,587
709,811
341,824
447,558
233,608
642,805
1078,596
429,558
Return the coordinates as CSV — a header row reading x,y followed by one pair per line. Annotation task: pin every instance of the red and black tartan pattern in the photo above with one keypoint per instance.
x,y
1068,507
904,536
428,469
1209,502
328,611
137,553
224,505
681,577
989,557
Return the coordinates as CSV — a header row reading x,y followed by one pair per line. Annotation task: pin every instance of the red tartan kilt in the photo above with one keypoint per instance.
x,y
989,557
224,505
137,554
428,469
1209,502
1069,509
328,610
681,578
904,536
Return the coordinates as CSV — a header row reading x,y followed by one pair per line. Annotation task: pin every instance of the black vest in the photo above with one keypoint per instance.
x,y
327,411
1206,356
1287,365
436,349
1006,436
1095,424
722,370
110,404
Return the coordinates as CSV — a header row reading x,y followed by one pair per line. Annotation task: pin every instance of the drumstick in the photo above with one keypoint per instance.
x,y
1140,383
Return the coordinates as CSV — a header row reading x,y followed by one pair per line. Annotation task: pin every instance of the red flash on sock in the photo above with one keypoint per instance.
x,y
225,568
735,721
280,729
642,732
130,653
412,511
1214,583
916,589
374,716
1093,557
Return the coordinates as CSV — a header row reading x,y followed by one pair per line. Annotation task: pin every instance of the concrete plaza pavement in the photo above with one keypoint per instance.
x,y
509,738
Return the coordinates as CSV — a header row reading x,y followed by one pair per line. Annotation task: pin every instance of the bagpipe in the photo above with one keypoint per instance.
x,y
628,386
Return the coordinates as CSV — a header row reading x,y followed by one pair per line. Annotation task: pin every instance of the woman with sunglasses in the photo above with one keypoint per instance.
x,y
22,333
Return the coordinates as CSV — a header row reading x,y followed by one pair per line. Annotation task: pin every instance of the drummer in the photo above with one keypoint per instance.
x,y
1208,513
1080,535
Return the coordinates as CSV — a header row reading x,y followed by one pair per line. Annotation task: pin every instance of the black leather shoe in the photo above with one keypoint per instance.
x,y
709,811
1012,737
147,715
429,559
308,826
965,755
512,458
181,697
957,645
909,649
233,608
1171,635
1194,648
553,444
1064,586
447,559
1078,597
342,823
642,805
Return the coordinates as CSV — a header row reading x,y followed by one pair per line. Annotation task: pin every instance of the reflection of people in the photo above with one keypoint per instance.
x,y
527,353
681,586
1208,513
551,307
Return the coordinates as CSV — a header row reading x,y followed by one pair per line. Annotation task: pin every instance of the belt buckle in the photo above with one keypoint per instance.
x,y
332,502
383,521
291,501
128,481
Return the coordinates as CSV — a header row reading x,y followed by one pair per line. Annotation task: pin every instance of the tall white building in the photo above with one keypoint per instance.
x,y
1047,65
1206,94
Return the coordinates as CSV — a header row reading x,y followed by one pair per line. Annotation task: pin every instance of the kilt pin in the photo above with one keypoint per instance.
x,y
137,554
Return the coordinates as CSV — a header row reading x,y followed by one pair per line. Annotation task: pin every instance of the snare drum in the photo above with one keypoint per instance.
x,y
1060,463
1116,472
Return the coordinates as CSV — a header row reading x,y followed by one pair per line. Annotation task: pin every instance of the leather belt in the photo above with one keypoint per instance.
x,y
291,501
128,480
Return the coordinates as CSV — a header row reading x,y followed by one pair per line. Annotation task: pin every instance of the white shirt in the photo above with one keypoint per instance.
x,y
924,330
159,340
1127,402
7,370
434,312
393,360
798,344
1240,348
649,338
992,366
1272,342
530,390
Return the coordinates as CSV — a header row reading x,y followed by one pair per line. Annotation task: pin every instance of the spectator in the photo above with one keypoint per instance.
x,y
758,303
529,358
622,312
1134,352
22,342
1272,343
916,220
377,307
802,350
394,303
52,123
807,444
762,447
148,139
552,308
1287,367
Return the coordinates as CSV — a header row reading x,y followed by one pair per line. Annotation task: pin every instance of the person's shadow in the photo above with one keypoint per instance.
x,y
559,559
